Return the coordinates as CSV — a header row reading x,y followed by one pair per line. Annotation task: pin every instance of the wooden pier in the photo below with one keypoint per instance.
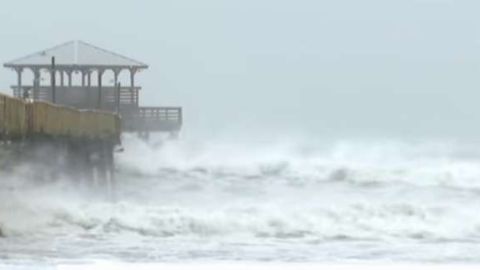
x,y
72,120
58,139
72,74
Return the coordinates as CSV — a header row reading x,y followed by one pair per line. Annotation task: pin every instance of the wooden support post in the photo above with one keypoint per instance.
x,y
116,72
86,150
36,83
89,90
90,167
20,92
69,74
52,80
78,163
117,97
132,85
116,91
99,99
83,78
110,171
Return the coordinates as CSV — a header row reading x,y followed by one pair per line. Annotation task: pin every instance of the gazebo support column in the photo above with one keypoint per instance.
x,y
91,104
83,77
62,81
69,74
99,101
132,85
36,82
20,91
53,83
116,72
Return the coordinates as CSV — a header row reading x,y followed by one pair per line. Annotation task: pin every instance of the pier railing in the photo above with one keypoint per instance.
x,y
23,119
134,118
13,117
81,96
154,119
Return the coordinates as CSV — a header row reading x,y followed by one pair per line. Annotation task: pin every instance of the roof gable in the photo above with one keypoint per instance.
x,y
76,53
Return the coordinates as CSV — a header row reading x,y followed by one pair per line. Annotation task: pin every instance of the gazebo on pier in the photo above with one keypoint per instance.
x,y
64,61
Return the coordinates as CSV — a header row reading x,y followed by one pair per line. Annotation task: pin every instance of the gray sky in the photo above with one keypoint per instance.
x,y
395,67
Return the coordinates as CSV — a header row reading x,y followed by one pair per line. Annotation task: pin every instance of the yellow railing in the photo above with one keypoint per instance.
x,y
13,117
20,119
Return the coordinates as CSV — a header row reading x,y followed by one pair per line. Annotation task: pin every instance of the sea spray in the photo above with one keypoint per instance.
x,y
252,201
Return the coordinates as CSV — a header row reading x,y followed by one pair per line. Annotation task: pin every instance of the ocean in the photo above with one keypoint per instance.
x,y
336,201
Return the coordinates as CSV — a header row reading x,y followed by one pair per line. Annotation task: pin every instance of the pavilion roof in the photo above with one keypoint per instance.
x,y
76,54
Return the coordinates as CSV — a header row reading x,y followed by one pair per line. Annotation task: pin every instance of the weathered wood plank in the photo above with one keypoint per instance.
x,y
21,119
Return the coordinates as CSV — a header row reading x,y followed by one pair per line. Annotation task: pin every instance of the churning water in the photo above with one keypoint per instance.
x,y
237,201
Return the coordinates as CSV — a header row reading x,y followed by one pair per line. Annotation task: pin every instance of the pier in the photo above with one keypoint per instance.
x,y
72,74
68,119
59,139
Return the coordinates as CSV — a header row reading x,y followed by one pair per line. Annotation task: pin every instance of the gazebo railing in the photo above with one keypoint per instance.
x,y
161,113
153,119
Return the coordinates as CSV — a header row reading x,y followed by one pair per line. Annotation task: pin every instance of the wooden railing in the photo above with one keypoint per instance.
x,y
173,114
13,117
22,119
134,118
81,96
167,119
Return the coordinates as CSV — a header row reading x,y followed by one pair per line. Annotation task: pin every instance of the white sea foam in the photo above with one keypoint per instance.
x,y
242,200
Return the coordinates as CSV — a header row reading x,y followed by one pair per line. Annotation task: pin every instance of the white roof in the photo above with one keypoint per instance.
x,y
76,53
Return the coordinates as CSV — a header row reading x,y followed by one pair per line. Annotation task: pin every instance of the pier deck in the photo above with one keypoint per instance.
x,y
72,74
69,118
63,139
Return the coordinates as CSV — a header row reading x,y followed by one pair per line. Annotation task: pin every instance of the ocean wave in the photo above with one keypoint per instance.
x,y
355,163
351,221
273,193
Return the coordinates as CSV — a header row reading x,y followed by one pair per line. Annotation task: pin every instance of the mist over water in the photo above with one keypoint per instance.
x,y
253,200
386,90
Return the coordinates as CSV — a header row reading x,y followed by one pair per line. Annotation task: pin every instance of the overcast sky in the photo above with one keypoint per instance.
x,y
322,66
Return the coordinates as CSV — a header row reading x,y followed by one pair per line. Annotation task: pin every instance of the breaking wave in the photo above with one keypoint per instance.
x,y
445,164
257,192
